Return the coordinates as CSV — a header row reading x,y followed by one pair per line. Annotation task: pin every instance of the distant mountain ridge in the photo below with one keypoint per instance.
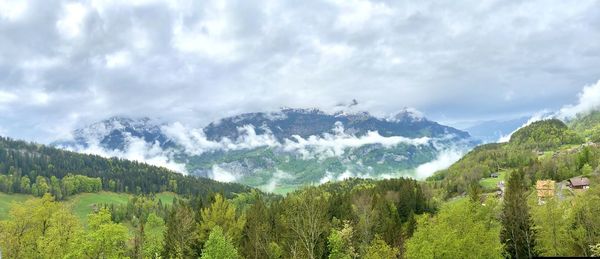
x,y
491,131
292,146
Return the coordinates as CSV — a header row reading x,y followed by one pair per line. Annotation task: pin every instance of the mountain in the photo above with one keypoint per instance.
x,y
282,149
588,125
41,167
545,149
493,130
545,135
113,133
310,122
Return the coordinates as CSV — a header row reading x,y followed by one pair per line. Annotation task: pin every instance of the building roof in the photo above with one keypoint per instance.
x,y
545,188
544,185
579,181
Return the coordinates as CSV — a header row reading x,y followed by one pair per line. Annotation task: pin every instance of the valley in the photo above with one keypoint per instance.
x,y
280,151
476,189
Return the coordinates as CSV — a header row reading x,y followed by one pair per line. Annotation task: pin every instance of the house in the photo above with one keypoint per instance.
x,y
545,190
579,183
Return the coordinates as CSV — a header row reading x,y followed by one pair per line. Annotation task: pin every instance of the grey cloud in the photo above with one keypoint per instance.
x,y
197,61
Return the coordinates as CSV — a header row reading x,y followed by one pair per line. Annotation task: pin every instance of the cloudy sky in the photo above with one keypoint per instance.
x,y
68,63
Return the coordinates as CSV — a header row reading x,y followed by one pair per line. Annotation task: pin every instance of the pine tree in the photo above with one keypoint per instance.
x,y
517,233
180,236
219,246
221,213
256,233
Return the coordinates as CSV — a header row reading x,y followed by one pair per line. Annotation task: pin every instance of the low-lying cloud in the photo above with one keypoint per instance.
x,y
588,101
194,141
135,149
444,160
276,179
219,174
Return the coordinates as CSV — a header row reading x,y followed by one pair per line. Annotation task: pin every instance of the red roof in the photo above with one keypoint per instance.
x,y
579,181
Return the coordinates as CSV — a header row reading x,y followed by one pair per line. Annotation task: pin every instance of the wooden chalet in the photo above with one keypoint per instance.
x,y
579,183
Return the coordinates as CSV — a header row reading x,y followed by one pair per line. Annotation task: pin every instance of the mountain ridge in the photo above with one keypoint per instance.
x,y
289,146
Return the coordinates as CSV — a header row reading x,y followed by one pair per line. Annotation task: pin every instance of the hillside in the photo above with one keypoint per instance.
x,y
32,168
587,125
279,150
548,149
544,135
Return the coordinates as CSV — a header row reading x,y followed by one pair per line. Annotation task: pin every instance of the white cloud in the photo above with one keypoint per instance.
x,y
118,59
194,141
336,144
356,14
138,150
210,37
72,21
589,100
40,97
444,159
276,179
7,97
219,174
12,10
197,61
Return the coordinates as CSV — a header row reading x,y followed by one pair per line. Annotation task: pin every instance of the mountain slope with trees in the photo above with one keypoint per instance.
x,y
38,169
282,149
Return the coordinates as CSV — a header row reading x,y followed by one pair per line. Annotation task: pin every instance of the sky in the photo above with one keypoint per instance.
x,y
65,64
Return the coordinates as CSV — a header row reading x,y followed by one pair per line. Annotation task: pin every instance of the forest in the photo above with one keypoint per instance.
x,y
450,215
37,169
350,219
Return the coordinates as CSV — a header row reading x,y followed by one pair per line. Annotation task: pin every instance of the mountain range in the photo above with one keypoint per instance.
x,y
283,149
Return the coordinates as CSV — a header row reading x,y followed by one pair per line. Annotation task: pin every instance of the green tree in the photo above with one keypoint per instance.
x,y
181,234
462,229
105,239
378,249
587,170
365,213
552,228
517,232
219,246
25,185
221,213
585,222
340,243
27,224
63,236
154,230
42,186
305,219
257,230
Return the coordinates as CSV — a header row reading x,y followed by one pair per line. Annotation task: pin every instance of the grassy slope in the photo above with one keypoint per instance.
x,y
490,184
81,204
7,199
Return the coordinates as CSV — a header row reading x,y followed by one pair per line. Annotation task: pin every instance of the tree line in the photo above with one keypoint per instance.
x,y
44,168
350,219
